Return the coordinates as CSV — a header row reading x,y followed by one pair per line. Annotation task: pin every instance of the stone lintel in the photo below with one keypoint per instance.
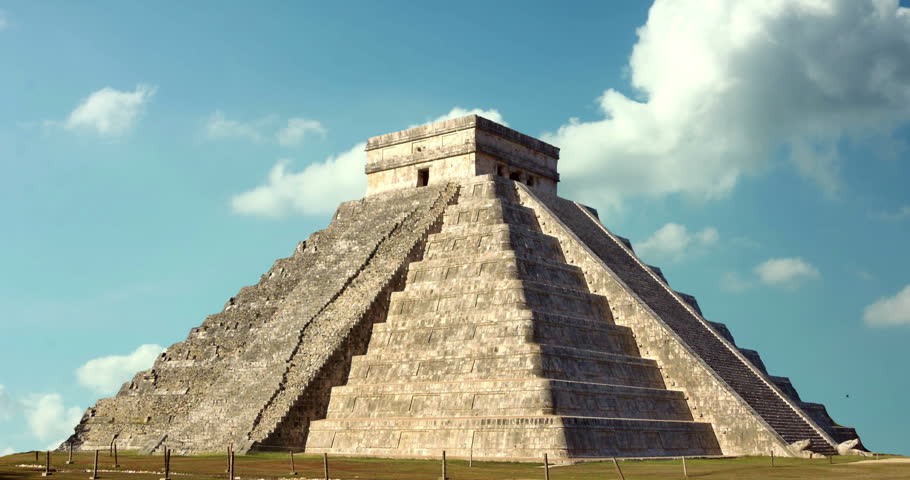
x,y
462,123
464,149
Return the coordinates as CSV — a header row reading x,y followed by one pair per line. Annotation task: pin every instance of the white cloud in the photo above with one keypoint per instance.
x,y
723,88
889,311
265,129
317,189
785,272
110,112
491,114
48,418
296,129
7,405
674,241
7,451
321,186
219,126
106,374
901,214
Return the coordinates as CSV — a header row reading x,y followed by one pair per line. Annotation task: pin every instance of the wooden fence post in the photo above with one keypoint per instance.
x,y
685,470
546,467
47,464
325,465
167,464
293,470
615,463
95,468
116,458
69,460
444,476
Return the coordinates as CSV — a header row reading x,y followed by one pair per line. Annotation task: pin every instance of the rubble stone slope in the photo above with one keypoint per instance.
x,y
235,376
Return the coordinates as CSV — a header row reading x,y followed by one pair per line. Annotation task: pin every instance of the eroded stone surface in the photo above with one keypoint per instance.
x,y
849,448
261,369
463,306
497,348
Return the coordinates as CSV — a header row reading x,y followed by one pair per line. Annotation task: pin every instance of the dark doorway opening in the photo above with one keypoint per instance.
x,y
423,177
515,176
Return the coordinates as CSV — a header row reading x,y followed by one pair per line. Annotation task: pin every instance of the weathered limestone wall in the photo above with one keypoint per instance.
x,y
478,315
740,431
816,411
740,428
237,375
457,149
442,170
496,348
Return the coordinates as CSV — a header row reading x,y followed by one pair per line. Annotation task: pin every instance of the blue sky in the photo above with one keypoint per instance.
x,y
157,158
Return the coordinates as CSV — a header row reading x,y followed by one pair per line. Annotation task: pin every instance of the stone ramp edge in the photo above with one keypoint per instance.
x,y
363,293
696,312
726,425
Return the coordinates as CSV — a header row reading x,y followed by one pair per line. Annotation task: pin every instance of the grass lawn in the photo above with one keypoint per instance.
x,y
275,465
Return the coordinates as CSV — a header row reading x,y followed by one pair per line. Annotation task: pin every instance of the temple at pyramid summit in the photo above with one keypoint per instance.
x,y
462,305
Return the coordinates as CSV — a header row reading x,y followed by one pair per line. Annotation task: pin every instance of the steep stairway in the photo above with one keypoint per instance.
x,y
750,384
497,348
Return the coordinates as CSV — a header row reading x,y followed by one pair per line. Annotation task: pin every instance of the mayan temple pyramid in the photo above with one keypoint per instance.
x,y
461,305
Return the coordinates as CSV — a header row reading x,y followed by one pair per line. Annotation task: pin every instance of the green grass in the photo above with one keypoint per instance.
x,y
277,465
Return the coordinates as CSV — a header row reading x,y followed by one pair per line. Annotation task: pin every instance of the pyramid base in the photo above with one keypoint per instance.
x,y
527,437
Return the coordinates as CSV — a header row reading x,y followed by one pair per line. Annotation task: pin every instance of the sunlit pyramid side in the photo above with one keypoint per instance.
x,y
462,305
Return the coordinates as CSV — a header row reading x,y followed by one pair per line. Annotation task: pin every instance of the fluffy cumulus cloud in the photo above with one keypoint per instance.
x,y
723,88
785,272
110,112
674,241
105,374
315,190
319,187
491,114
889,311
266,129
48,418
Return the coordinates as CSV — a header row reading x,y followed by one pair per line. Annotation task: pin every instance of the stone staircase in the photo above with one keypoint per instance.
x,y
497,348
750,383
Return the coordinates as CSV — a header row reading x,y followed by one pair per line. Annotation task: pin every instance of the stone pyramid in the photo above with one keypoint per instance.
x,y
462,306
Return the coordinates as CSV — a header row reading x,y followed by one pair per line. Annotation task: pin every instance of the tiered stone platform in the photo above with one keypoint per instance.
x,y
462,306
677,314
497,348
